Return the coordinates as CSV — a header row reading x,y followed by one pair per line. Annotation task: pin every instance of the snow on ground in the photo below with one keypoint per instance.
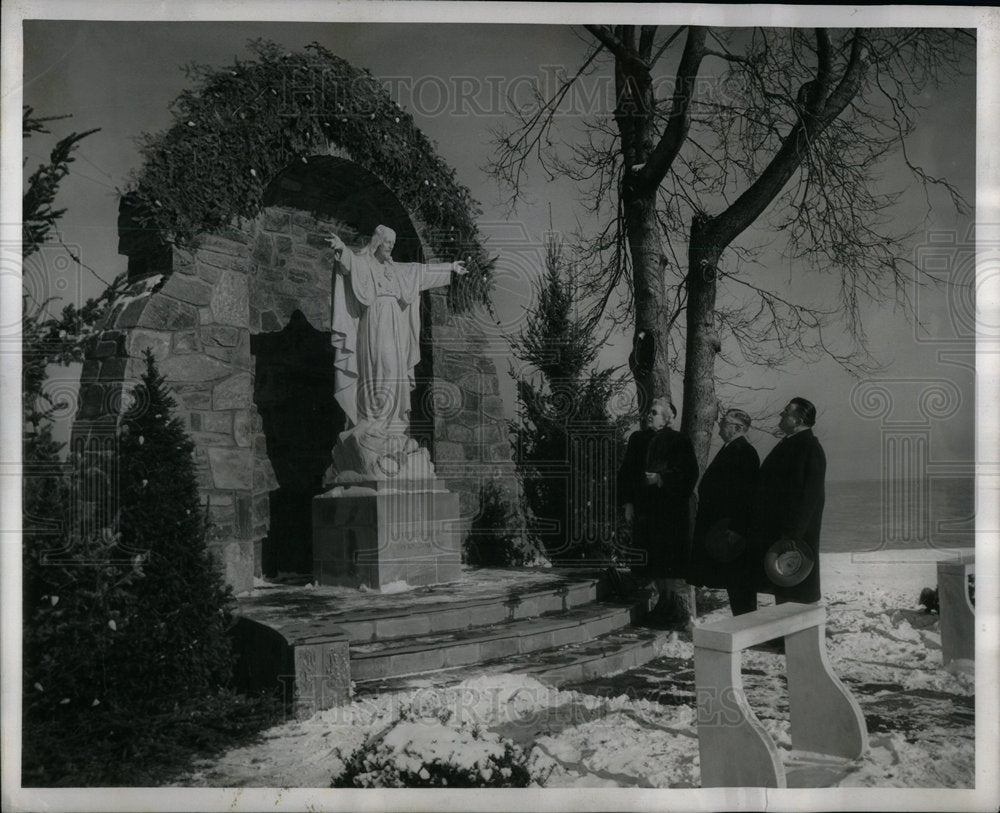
x,y
637,729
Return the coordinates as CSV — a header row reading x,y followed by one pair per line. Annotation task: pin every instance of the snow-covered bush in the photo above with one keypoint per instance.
x,y
426,753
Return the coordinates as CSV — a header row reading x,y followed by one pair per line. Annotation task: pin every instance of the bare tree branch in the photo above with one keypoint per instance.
x,y
814,116
614,44
666,44
526,141
787,133
679,121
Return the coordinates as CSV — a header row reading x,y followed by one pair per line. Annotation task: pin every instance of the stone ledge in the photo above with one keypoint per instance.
x,y
478,644
411,613
572,663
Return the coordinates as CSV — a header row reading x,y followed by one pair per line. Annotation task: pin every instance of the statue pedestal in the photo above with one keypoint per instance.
x,y
374,532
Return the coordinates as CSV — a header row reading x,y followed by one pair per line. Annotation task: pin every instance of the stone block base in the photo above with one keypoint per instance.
x,y
377,533
958,615
312,675
236,559
322,677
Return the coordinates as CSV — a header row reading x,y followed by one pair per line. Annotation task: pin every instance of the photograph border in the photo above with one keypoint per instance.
x,y
985,795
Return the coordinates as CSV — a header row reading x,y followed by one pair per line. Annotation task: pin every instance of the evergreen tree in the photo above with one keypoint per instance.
x,y
55,562
133,616
496,537
43,341
177,635
568,445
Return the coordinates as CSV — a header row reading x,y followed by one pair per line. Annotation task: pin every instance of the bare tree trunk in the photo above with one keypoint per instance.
x,y
634,114
700,402
650,359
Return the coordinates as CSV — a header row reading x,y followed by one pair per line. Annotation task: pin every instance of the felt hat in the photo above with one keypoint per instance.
x,y
721,545
787,564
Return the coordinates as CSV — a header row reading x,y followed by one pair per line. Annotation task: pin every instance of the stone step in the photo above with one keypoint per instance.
x,y
607,654
461,615
315,642
480,644
305,619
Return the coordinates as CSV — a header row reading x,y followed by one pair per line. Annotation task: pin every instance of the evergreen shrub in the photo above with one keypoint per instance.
x,y
496,538
430,754
127,656
568,444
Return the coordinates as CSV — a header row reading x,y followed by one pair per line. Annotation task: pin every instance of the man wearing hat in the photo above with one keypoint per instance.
x,y
788,510
725,497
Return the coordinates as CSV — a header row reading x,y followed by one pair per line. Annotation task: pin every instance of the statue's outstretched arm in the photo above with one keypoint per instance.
x,y
337,244
341,254
438,275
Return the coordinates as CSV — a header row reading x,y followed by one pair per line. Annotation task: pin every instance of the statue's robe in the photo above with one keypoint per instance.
x,y
376,333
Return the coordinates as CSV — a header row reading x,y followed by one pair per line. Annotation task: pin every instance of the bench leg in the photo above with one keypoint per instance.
x,y
736,750
825,717
958,616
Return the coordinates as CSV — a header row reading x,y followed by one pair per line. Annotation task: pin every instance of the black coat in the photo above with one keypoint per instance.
x,y
789,502
631,473
661,527
726,491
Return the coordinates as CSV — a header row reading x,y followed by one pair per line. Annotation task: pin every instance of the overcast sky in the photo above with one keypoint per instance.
x,y
121,77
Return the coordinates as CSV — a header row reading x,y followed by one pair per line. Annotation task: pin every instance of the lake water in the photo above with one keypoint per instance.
x,y
854,519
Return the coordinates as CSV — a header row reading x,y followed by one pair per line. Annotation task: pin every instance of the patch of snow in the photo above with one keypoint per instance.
x,y
395,587
894,761
414,744
674,647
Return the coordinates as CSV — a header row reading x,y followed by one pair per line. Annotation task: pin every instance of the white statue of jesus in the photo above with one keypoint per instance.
x,y
375,327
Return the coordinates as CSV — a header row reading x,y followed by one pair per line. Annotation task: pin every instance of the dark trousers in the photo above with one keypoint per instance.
x,y
742,599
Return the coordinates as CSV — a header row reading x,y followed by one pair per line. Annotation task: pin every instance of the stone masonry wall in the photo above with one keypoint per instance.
x,y
471,439
218,304
195,323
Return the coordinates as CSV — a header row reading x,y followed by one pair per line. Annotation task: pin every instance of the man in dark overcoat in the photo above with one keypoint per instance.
x,y
788,503
725,497
632,479
655,488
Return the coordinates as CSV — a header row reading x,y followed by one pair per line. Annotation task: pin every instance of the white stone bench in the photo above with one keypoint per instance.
x,y
958,616
736,750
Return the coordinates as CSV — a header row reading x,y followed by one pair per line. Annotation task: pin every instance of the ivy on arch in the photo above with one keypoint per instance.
x,y
239,126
